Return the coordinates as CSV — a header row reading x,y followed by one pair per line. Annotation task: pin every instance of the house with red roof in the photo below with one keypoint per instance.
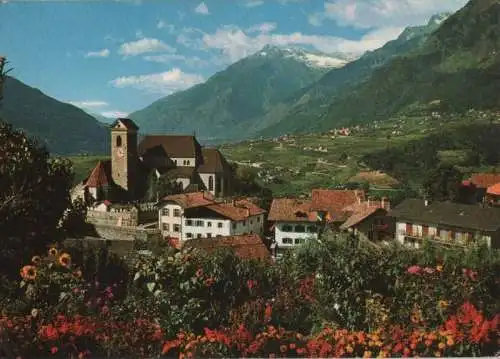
x,y
478,186
198,215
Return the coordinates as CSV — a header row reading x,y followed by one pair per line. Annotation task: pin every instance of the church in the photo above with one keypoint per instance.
x,y
180,159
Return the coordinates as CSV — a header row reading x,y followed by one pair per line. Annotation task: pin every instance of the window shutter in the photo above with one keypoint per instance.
x,y
408,228
425,230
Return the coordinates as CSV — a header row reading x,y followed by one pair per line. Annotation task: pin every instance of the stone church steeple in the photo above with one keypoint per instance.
x,y
124,160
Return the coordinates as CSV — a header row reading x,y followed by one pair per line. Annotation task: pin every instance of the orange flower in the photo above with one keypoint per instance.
x,y
441,346
439,268
450,342
28,272
53,252
36,260
367,354
65,260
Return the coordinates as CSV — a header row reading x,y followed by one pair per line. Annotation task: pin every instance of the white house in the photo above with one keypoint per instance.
x,y
198,215
446,223
293,221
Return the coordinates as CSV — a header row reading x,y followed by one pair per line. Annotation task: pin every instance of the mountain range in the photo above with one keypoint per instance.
x,y
449,64
63,128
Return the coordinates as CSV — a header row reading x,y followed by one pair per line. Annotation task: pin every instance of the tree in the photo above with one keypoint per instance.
x,y
158,187
34,194
443,183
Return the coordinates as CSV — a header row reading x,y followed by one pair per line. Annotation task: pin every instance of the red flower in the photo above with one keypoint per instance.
x,y
54,350
414,269
268,312
199,273
251,283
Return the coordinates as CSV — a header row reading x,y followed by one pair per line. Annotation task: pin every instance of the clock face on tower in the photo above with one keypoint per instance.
x,y
120,153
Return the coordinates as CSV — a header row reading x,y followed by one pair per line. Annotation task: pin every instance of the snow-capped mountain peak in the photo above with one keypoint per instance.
x,y
312,59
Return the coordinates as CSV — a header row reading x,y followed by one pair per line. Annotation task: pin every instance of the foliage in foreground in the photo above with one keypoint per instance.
x,y
319,301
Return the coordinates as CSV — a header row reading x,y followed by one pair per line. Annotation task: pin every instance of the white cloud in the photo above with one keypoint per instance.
x,y
202,9
168,58
114,114
386,13
262,28
144,45
254,3
163,83
102,53
235,43
89,104
316,19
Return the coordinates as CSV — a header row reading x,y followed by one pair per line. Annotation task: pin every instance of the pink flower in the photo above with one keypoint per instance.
x,y
428,270
414,269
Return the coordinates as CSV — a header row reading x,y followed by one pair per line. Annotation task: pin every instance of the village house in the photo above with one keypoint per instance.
x,y
293,222
198,215
297,220
368,220
446,223
179,159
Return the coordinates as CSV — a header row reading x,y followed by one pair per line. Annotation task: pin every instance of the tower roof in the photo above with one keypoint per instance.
x,y
126,122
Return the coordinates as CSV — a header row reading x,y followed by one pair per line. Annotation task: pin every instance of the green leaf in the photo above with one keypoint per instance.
x,y
62,295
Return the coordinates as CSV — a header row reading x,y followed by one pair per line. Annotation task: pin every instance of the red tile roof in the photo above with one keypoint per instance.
x,y
190,200
485,180
291,210
334,201
249,246
100,175
494,190
238,210
360,214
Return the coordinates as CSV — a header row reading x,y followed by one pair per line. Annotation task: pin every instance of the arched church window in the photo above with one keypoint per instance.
x,y
211,183
118,141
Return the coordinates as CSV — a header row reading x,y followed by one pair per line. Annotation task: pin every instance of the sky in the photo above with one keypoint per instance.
x,y
116,57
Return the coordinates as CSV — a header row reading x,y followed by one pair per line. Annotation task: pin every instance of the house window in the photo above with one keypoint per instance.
x,y
409,229
199,224
299,240
311,229
187,162
165,212
287,228
177,212
258,219
300,228
184,162
177,228
175,161
425,231
287,240
211,183
198,235
209,235
209,224
219,225
189,235
119,141
251,221
166,227
234,225
218,185
244,223
189,222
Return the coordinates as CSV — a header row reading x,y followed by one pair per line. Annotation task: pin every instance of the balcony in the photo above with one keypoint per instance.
x,y
448,242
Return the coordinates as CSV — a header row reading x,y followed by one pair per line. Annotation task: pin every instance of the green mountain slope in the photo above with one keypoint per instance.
x,y
232,99
63,128
456,69
309,104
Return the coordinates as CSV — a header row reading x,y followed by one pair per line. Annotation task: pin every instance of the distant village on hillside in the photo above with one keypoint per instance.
x,y
200,209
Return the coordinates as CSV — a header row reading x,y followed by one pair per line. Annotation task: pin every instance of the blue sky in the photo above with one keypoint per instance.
x,y
115,57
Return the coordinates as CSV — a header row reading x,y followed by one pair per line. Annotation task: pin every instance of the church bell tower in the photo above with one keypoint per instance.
x,y
124,161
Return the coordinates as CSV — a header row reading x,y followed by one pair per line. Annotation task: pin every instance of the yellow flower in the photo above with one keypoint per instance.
x,y
65,260
349,349
439,268
28,272
441,346
53,252
443,304
36,259
437,354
